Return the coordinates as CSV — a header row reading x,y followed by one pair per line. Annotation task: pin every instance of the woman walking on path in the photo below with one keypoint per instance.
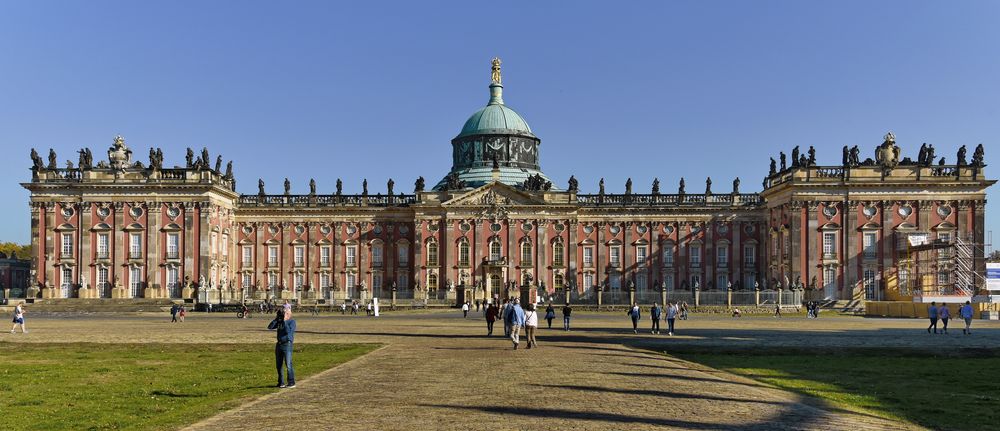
x,y
634,313
465,310
531,325
182,313
944,314
966,313
19,318
932,313
654,314
550,313
491,316
671,316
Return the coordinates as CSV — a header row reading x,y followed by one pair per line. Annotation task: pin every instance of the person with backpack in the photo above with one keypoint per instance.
x,y
634,314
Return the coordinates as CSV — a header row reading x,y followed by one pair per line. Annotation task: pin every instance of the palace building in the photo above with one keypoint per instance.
x,y
882,228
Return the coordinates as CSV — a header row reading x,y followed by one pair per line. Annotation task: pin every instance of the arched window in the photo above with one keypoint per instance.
x,y
463,253
525,253
432,254
432,281
557,281
557,254
495,250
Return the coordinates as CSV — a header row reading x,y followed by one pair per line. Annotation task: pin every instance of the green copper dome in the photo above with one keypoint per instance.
x,y
495,118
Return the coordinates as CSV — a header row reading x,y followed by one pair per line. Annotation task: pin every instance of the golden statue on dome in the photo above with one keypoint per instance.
x,y
496,70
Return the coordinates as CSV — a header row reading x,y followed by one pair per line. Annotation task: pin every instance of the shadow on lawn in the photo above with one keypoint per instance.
x,y
658,393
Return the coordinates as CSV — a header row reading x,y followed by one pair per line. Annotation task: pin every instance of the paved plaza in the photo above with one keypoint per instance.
x,y
438,370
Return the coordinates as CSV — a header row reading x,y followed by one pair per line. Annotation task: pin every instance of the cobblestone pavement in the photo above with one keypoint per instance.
x,y
438,371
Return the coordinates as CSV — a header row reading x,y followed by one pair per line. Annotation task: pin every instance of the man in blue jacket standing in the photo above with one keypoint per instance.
x,y
515,319
285,325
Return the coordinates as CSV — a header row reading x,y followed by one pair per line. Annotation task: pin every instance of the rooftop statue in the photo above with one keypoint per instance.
x,y
656,186
708,186
204,157
795,156
812,156
340,187
418,186
847,157
600,186
218,164
736,186
312,186
961,156
628,186
774,166
389,185
288,186
36,160
887,154
364,186
929,158
52,159
680,187
574,185
229,170
260,187
781,156
495,75
189,158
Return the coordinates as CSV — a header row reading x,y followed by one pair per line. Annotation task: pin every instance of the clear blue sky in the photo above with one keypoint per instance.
x,y
377,90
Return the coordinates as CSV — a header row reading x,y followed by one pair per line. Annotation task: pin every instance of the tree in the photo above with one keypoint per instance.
x,y
23,251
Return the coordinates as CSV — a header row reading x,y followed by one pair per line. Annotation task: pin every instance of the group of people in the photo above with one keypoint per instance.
x,y
941,312
515,317
812,310
177,313
670,312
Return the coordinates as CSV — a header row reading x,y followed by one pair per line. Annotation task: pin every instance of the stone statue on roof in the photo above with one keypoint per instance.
x,y
495,75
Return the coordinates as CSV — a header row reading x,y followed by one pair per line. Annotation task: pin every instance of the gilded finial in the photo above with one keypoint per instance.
x,y
496,70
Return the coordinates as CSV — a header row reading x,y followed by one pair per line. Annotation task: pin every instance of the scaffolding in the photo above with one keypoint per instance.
x,y
955,266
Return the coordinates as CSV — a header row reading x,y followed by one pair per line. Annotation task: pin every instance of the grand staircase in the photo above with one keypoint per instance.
x,y
77,305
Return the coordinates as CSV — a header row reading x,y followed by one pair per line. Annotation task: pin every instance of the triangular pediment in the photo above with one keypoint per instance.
x,y
494,194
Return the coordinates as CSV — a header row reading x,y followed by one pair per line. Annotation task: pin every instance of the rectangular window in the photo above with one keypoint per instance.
x,y
640,255
135,280
67,245
432,254
641,280
829,239
404,255
272,255
377,281
668,282
352,255
135,250
557,254
247,281
103,245
946,238
788,245
225,245
172,277
213,246
615,280
67,277
173,246
829,277
869,244
943,278
694,258
324,280
722,282
615,256
247,255
402,282
324,256
526,254
272,280
299,280
904,281
588,280
463,253
668,254
588,257
300,255
102,278
869,283
749,255
495,251
722,256
696,281
749,282
351,280
377,256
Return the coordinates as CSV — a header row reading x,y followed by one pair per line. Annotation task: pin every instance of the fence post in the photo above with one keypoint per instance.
x,y
663,296
393,304
600,294
697,297
756,296
729,298
779,296
567,294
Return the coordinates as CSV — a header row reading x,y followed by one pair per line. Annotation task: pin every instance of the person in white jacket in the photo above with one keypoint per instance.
x,y
531,325
671,315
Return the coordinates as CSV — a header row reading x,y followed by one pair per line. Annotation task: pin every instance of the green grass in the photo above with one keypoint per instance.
x,y
84,386
954,392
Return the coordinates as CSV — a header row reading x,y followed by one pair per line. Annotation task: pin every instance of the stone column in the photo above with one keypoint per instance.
x,y
571,263
154,288
120,248
86,246
542,239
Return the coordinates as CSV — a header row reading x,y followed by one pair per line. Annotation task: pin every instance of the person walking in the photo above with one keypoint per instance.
x,y
567,311
465,310
777,310
285,326
654,314
683,310
182,313
491,317
634,313
173,313
932,314
19,318
944,314
531,325
550,313
671,312
477,306
505,315
966,313
515,320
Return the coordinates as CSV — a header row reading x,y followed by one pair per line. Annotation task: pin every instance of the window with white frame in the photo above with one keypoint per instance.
x,y
696,281
103,245
432,281
943,278
403,252
722,282
225,245
173,245
668,254
351,280
324,280
829,277
135,249
463,253
324,255
788,244
904,280
351,252
173,277
588,280
376,280
299,280
432,254
247,255
641,255
615,280
668,281
377,255
694,255
102,278
869,282
67,245
749,255
300,255
272,255
526,254
641,280
722,255
247,280
135,280
557,281
272,280
615,255
829,244
67,277
868,240
588,257
495,250
558,254
946,238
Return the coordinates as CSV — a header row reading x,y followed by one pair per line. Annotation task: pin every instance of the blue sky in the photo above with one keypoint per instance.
x,y
377,89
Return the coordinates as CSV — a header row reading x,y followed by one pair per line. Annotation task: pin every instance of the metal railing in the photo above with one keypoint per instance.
x,y
730,199
377,200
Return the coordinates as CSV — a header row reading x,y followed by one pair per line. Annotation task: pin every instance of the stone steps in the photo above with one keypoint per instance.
x,y
77,305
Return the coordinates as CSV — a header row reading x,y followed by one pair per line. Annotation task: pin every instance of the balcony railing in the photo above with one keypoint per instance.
x,y
377,200
714,200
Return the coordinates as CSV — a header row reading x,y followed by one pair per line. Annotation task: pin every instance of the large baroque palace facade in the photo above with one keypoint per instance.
x,y
884,228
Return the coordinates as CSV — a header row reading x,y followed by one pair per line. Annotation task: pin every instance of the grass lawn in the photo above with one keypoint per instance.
x,y
85,386
955,392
